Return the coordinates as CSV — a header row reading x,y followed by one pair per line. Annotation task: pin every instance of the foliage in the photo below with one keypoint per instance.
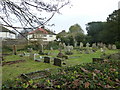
x,y
75,29
107,32
90,75
54,45
6,48
117,43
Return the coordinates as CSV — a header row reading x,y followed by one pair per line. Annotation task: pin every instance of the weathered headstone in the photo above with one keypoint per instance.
x,y
57,62
46,59
87,45
14,50
81,45
98,59
87,51
31,56
75,44
98,45
102,50
51,48
101,45
110,46
114,47
94,47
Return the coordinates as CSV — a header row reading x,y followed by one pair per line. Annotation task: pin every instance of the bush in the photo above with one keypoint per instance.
x,y
53,44
6,48
117,44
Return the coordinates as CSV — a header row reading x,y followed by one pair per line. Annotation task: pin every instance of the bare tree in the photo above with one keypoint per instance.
x,y
29,13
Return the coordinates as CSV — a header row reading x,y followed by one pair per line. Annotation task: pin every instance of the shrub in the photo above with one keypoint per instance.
x,y
117,44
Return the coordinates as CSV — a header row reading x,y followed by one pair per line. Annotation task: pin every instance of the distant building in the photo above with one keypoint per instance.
x,y
41,34
6,34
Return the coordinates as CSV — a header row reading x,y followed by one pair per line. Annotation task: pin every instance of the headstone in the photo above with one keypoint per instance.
x,y
30,50
87,45
51,48
14,50
81,44
101,45
46,59
114,47
102,50
86,51
75,44
98,45
98,59
57,62
110,46
94,47
31,56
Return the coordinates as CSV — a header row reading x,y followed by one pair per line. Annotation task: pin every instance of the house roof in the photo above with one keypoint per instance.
x,y
39,29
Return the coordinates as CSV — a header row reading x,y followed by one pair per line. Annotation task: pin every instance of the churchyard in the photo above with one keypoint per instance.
x,y
37,65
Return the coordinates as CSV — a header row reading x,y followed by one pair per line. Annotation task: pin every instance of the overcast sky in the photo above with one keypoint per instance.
x,y
82,12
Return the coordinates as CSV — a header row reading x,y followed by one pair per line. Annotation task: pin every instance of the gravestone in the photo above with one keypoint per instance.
x,y
102,50
51,48
81,45
114,47
110,46
101,45
87,51
87,45
29,50
75,44
94,47
14,50
31,56
46,59
57,62
98,59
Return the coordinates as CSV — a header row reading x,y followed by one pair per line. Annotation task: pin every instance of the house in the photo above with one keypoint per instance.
x,y
41,34
6,34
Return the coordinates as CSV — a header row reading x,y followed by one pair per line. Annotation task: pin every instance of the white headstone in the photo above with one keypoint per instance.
x,y
114,47
81,44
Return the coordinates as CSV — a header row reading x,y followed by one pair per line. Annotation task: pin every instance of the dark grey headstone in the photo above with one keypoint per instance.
x,y
46,59
57,62
98,59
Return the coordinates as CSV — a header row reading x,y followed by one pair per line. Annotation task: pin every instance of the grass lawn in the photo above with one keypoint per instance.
x,y
10,72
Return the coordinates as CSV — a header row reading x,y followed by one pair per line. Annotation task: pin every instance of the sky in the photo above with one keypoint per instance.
x,y
82,12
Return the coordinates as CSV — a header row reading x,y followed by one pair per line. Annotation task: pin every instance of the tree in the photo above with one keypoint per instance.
x,y
94,29
76,28
29,13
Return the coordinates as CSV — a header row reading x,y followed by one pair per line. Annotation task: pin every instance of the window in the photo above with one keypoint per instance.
x,y
44,35
50,35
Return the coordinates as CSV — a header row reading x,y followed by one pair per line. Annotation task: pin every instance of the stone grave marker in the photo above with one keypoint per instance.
x,y
57,62
102,50
81,45
46,59
98,59
114,47
14,50
87,45
32,56
94,47
110,46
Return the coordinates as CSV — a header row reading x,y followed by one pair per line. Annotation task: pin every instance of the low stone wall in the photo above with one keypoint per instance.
x,y
20,43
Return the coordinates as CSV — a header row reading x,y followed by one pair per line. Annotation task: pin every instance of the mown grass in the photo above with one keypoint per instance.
x,y
10,72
